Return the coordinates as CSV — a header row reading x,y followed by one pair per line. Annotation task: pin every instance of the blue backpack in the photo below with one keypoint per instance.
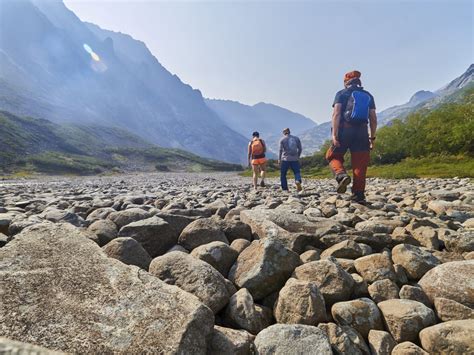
x,y
358,106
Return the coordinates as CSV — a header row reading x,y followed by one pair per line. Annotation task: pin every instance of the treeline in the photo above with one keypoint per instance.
x,y
446,130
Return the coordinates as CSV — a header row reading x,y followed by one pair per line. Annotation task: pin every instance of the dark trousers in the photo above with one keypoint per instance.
x,y
356,139
294,166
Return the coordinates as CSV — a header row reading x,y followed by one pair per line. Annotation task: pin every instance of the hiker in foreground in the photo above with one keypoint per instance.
x,y
256,157
353,111
290,152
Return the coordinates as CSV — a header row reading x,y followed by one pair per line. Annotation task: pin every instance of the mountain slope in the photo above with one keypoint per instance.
x,y
41,145
57,67
268,119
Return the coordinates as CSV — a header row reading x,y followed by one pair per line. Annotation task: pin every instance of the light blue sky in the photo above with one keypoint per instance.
x,y
294,54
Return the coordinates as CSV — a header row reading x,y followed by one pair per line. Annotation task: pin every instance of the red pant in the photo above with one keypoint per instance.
x,y
356,139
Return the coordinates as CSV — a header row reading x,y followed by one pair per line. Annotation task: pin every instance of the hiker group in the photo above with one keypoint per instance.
x,y
354,123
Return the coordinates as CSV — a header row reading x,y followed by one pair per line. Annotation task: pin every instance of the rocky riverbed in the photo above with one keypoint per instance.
x,y
196,264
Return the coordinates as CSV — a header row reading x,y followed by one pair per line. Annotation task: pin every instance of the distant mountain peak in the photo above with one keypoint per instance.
x,y
421,96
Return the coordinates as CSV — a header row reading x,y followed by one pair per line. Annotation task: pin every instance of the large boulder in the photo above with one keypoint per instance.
x,y
333,281
375,267
347,249
381,342
104,229
447,310
243,313
12,347
405,318
218,254
200,232
122,218
229,341
361,314
415,261
454,281
462,242
194,276
284,339
408,348
453,337
154,234
263,267
60,291
300,302
128,251
344,339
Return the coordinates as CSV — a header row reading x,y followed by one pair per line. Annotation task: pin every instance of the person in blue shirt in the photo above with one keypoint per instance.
x,y
288,158
354,123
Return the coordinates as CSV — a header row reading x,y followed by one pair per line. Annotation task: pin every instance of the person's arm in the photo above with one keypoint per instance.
x,y
373,127
249,152
264,146
300,148
281,151
336,119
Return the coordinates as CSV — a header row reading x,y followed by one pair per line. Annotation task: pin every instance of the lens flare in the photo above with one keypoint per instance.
x,y
93,54
95,57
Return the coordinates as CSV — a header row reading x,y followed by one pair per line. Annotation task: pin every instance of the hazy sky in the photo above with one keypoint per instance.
x,y
294,53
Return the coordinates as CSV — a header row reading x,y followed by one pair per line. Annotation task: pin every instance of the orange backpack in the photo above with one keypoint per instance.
x,y
258,149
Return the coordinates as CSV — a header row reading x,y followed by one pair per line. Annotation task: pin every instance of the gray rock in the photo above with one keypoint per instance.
x,y
454,281
56,215
200,232
12,347
381,342
300,302
382,290
310,255
360,286
332,280
414,293
346,249
122,218
154,234
243,313
427,237
263,267
344,339
361,314
375,267
405,318
218,254
286,339
104,229
462,242
128,251
194,276
448,310
239,245
229,341
119,308
408,348
452,337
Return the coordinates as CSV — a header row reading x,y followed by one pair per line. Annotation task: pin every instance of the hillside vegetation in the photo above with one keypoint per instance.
x,y
30,145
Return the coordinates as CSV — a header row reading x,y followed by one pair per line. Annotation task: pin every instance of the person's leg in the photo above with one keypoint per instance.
x,y
335,158
360,157
263,168
284,165
295,167
255,175
360,161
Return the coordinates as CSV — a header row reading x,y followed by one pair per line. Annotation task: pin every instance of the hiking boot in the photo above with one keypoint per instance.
x,y
358,197
262,183
343,180
298,186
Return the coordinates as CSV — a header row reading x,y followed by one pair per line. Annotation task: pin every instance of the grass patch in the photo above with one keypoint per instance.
x,y
429,167
58,163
